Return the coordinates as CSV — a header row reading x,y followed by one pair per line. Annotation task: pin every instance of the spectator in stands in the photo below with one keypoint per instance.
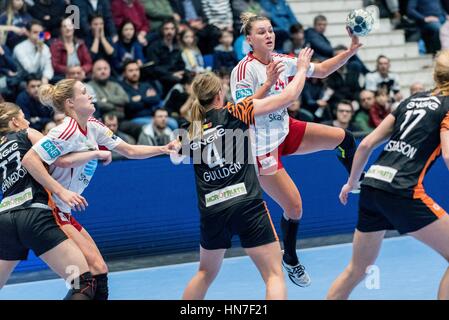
x,y
13,23
318,41
416,87
315,99
429,16
178,96
362,116
8,72
167,64
224,54
225,77
58,117
100,46
128,47
296,41
218,13
345,81
33,55
68,51
381,108
131,10
157,133
444,30
89,8
190,53
388,9
296,112
240,6
111,121
48,126
49,12
111,97
144,97
158,11
383,78
35,112
343,113
193,13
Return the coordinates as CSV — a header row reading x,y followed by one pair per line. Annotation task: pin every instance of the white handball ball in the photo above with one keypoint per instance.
x,y
360,22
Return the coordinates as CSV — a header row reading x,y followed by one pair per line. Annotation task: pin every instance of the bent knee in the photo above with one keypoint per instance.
x,y
97,265
294,210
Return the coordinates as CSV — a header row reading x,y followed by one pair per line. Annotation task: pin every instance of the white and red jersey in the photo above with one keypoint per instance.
x,y
247,77
69,137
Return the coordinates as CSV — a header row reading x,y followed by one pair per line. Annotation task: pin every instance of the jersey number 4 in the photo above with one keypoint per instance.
x,y
213,156
420,113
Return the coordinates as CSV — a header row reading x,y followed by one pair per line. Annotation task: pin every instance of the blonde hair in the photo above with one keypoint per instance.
x,y
8,111
55,95
247,19
441,73
205,87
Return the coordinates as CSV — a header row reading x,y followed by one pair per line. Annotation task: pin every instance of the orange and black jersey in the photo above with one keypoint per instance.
x,y
413,147
222,158
19,189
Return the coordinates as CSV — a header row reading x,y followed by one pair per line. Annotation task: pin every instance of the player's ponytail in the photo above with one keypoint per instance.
x,y
247,19
8,111
205,88
55,95
441,73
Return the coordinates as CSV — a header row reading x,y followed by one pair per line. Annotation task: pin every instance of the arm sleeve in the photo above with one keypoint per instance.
x,y
243,110
56,143
445,123
104,136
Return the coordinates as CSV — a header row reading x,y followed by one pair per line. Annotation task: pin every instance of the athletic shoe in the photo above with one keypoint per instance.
x,y
297,274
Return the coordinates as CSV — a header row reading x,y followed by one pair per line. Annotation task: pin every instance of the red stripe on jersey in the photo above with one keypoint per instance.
x,y
97,121
240,69
70,125
71,132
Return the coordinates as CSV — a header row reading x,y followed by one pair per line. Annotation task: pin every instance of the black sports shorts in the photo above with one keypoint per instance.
x,y
382,210
250,220
31,228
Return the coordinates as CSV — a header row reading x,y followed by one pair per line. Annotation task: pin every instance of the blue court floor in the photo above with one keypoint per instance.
x,y
406,269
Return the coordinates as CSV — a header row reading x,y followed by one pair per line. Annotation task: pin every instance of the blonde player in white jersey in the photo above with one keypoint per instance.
x,y
263,72
79,132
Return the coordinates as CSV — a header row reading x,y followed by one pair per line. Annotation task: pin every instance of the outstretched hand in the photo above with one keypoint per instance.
x,y
304,57
355,42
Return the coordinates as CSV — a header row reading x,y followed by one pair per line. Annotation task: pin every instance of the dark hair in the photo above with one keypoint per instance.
x,y
110,115
167,21
159,109
95,16
33,23
319,18
187,77
346,102
123,26
382,57
128,62
295,28
32,77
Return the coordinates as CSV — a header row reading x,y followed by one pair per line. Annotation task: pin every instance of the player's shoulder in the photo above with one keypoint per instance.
x,y
66,130
241,69
93,122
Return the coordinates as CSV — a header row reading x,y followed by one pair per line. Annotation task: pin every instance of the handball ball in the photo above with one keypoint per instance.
x,y
360,22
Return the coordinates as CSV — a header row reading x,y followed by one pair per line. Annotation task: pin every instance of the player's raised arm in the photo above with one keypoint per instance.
x,y
291,92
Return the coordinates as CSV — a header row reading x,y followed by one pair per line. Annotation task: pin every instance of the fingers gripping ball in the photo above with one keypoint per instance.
x,y
360,22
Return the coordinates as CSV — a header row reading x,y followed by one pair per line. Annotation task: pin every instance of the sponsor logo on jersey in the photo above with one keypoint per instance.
x,y
277,116
207,125
431,103
89,168
212,135
225,194
402,147
382,173
51,149
8,148
243,93
16,200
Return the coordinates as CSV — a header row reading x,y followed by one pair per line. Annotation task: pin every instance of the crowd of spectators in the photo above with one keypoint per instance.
x,y
139,58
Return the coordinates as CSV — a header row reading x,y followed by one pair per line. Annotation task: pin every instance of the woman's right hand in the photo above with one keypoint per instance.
x,y
274,70
304,57
105,156
73,200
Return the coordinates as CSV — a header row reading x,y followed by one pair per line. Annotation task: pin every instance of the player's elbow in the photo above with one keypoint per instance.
x,y
63,163
366,145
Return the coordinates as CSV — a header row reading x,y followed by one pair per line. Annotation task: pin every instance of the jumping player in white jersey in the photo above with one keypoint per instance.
x,y
79,132
263,73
